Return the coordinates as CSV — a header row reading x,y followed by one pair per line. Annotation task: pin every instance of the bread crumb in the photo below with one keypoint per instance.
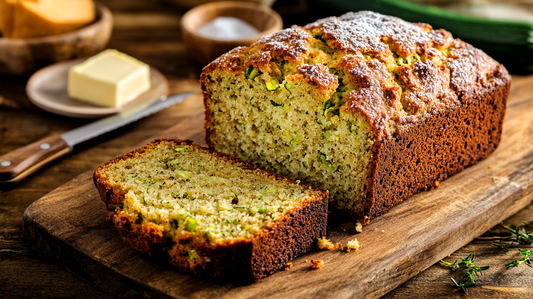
x,y
490,166
358,227
338,245
437,184
382,231
288,266
375,228
353,244
305,261
317,264
325,244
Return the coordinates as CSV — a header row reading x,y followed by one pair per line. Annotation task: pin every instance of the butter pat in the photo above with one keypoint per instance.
x,y
108,79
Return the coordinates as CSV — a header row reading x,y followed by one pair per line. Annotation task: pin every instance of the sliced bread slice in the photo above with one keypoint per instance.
x,y
210,212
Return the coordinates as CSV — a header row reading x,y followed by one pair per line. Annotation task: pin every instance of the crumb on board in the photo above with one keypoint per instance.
x,y
305,261
325,244
338,245
490,166
353,244
317,264
288,266
375,228
382,231
437,184
359,227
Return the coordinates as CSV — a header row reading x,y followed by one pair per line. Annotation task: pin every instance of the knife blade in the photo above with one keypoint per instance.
x,y
18,164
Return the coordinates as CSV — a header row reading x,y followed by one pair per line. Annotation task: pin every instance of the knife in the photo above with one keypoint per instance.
x,y
20,163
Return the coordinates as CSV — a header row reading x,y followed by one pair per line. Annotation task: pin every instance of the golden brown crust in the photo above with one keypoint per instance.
x,y
432,116
244,259
436,147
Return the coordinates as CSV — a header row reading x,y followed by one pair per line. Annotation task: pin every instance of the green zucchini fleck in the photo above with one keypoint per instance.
x,y
261,210
289,86
330,165
329,106
276,104
172,163
131,175
180,149
272,85
192,254
251,73
185,175
191,224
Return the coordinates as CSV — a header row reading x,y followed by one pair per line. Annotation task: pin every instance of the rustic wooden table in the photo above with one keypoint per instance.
x,y
149,30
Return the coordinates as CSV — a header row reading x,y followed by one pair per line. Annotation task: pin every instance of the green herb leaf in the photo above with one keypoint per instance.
x,y
468,266
504,247
526,253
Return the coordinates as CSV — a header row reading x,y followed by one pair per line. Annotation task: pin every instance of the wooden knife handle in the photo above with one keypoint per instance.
x,y
22,162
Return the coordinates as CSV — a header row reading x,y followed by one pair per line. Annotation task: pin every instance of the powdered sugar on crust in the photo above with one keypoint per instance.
x,y
470,67
363,32
319,76
290,44
426,85
232,61
394,71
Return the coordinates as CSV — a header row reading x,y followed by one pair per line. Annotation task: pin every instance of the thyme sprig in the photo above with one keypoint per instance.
x,y
518,235
468,266
526,253
503,246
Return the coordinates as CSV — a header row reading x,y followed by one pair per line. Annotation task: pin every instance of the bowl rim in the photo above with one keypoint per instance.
x,y
103,15
278,22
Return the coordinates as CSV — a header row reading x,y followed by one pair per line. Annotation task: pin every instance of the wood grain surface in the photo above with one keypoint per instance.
x,y
149,30
68,225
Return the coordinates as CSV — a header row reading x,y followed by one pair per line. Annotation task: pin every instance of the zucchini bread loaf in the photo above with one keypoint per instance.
x,y
370,107
209,212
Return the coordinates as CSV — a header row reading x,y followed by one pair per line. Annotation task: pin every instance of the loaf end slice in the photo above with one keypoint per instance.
x,y
209,212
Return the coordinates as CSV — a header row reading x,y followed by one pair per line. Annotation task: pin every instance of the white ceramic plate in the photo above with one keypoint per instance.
x,y
47,89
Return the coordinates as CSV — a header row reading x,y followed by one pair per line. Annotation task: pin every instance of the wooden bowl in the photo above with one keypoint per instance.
x,y
193,3
22,57
204,49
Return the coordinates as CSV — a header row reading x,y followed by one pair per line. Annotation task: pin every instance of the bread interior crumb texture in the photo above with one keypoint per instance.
x,y
184,188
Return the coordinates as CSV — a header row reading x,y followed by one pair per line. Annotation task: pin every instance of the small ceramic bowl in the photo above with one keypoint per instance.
x,y
23,56
204,49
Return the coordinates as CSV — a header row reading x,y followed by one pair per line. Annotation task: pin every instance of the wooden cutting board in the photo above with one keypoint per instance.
x,y
68,225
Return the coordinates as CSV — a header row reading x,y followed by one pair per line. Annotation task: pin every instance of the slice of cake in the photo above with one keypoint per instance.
x,y
210,212
370,107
